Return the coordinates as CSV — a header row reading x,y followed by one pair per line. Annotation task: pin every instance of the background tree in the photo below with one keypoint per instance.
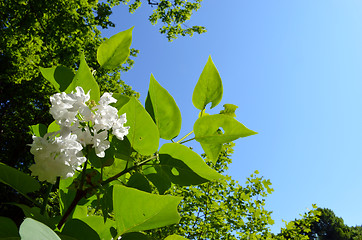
x,y
34,33
300,228
331,227
222,209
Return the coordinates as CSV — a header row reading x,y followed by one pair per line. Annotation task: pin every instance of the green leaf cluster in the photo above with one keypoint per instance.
x,y
116,195
34,37
173,15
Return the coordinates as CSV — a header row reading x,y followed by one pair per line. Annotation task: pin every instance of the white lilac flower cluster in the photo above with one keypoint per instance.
x,y
60,153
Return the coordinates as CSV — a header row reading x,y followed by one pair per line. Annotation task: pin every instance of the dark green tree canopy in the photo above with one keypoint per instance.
x,y
331,227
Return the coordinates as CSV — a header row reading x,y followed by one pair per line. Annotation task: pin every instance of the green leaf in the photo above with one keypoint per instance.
x,y
53,127
99,162
208,88
163,109
18,180
60,77
184,166
80,211
38,130
115,50
121,100
117,166
158,177
209,129
31,229
34,213
91,227
107,202
8,228
143,211
135,236
122,148
85,79
79,230
229,109
143,133
138,181
175,237
212,151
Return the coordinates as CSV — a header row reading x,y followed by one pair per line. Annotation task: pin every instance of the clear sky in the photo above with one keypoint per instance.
x,y
294,68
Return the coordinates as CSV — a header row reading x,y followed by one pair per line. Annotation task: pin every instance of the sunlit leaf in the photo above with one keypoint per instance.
x,y
212,151
121,100
115,50
208,88
85,79
38,130
219,128
163,109
229,109
175,237
31,229
143,211
60,77
53,127
135,236
143,133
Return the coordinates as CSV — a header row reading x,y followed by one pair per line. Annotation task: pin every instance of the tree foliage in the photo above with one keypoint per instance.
x,y
300,228
330,227
173,16
103,155
320,223
37,34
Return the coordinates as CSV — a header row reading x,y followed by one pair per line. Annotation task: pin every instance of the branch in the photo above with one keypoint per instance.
x,y
152,3
78,196
128,170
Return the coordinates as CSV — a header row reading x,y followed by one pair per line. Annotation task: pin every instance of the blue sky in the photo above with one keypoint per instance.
x,y
294,68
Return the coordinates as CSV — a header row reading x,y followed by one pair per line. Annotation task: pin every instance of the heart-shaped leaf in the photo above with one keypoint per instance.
x,y
84,78
212,151
208,88
135,210
115,50
163,109
209,129
143,133
60,77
